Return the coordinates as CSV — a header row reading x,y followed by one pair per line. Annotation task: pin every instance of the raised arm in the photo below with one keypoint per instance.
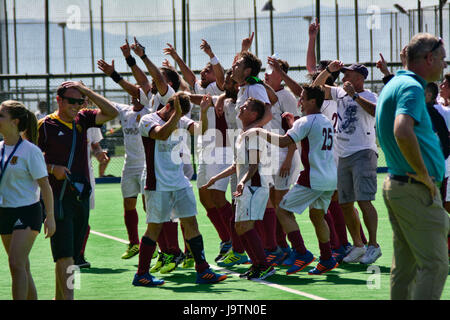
x,y
107,111
291,83
110,71
368,106
163,132
138,74
217,67
334,66
187,73
311,52
154,71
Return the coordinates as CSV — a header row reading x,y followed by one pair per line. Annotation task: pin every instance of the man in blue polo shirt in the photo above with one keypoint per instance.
x,y
416,169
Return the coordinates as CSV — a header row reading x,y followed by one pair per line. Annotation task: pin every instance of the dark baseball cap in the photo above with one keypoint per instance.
x,y
360,68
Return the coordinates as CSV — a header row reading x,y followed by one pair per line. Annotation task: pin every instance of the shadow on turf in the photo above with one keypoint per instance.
x,y
103,270
357,267
185,282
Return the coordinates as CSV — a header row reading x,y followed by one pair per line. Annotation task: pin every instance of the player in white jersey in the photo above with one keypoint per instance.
x,y
168,192
252,191
316,182
211,77
285,161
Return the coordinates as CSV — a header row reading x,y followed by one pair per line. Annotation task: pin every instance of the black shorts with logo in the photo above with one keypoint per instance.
x,y
21,218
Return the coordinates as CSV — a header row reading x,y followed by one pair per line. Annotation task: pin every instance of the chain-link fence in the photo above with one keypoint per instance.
x,y
43,43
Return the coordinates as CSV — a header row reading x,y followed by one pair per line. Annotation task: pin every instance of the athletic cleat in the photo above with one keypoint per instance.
x,y
289,260
275,257
324,266
348,247
155,254
146,280
82,263
301,261
248,272
188,261
233,258
208,276
339,254
355,255
225,247
159,263
263,272
171,262
133,249
287,252
371,255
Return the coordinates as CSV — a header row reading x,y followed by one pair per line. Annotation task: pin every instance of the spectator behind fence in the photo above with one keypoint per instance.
x,y
57,141
416,168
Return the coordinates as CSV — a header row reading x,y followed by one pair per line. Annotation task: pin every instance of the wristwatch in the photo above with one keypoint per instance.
x,y
355,96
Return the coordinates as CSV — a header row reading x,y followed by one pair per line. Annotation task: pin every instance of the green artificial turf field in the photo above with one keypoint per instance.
x,y
110,277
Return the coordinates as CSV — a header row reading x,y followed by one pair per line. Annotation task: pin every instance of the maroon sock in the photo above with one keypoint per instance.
x,y
171,236
86,237
296,239
186,247
146,249
281,236
131,223
325,250
334,239
259,227
270,228
339,222
162,243
247,248
217,222
254,244
225,213
236,242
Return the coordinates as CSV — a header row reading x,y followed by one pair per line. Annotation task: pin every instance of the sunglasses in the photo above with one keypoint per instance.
x,y
75,100
437,45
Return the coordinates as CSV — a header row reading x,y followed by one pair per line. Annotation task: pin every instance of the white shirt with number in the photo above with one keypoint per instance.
x,y
163,157
19,187
356,127
315,133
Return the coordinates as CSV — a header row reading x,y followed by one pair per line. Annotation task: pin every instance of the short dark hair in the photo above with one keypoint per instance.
x,y
330,80
284,65
172,76
251,61
185,102
447,77
257,106
432,88
315,92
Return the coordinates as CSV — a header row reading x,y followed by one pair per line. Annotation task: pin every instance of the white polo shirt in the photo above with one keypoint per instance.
x,y
19,187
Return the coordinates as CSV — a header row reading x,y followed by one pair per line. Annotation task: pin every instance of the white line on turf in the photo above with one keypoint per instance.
x,y
270,284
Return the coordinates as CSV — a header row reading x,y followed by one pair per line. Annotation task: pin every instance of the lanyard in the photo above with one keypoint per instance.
x,y
3,166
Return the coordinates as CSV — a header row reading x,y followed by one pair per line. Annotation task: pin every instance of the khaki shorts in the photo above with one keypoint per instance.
x,y
357,177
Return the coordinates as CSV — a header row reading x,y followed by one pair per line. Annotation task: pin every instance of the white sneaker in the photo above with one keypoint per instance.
x,y
355,255
371,255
